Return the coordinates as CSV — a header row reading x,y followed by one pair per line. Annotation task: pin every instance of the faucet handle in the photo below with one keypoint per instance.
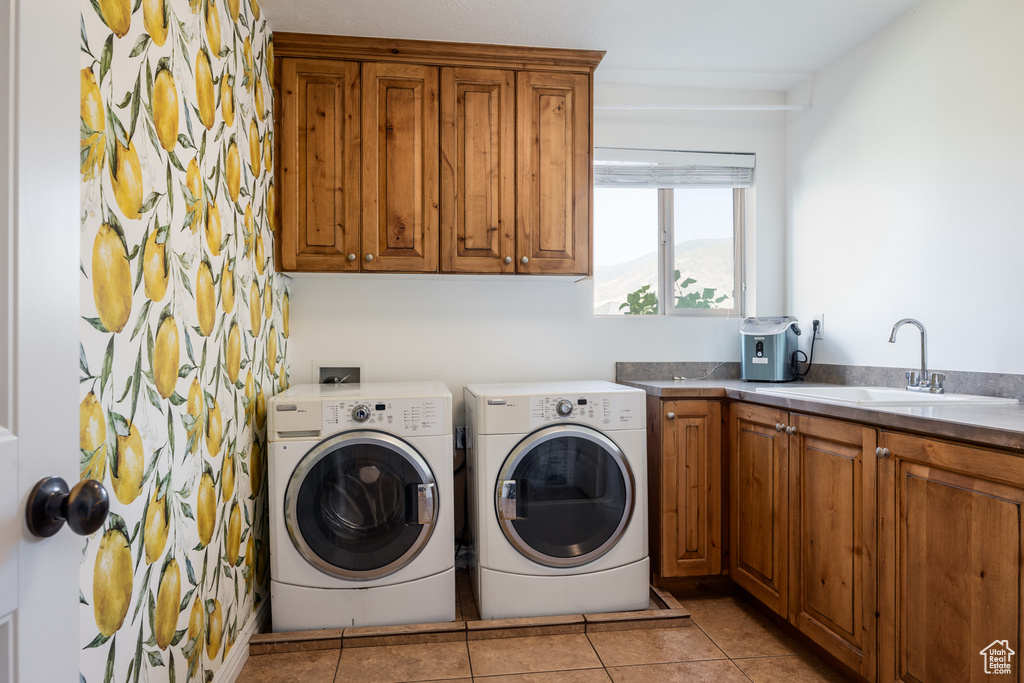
x,y
936,382
913,378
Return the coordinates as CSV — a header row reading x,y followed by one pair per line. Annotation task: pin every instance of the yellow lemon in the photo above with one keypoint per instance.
x,y
195,410
213,235
260,111
233,9
234,539
165,109
111,279
232,171
112,582
204,89
214,430
268,299
261,409
156,527
255,468
117,14
126,178
255,316
168,595
165,357
227,477
234,353
206,303
92,436
194,182
227,287
131,463
261,254
268,153
95,119
153,19
247,62
250,405
227,101
272,208
272,349
254,148
255,9
213,27
250,234
154,268
285,308
282,378
196,626
214,630
194,5
206,509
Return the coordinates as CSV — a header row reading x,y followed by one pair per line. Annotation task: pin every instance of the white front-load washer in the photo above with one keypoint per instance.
x,y
361,505
557,498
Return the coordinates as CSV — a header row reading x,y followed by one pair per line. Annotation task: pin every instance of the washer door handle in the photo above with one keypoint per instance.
x,y
508,500
423,504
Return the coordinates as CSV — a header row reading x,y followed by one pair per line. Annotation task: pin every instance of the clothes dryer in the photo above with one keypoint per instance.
x,y
558,498
361,505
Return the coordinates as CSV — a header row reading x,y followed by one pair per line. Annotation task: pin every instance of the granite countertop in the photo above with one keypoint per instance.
x,y
999,426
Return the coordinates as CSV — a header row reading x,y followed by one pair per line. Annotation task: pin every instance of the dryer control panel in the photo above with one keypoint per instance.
x,y
409,416
607,411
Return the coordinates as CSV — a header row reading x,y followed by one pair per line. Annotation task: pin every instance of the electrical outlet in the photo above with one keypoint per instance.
x,y
460,437
820,332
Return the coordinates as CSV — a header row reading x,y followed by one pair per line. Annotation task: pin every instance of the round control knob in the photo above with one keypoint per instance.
x,y
508,259
525,259
563,408
351,257
361,413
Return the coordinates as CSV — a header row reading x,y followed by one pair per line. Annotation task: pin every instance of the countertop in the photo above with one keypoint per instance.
x,y
997,426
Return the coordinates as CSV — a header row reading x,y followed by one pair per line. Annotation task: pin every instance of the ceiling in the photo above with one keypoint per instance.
x,y
747,44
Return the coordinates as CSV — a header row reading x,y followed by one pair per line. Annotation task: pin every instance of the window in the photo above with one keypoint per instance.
x,y
668,232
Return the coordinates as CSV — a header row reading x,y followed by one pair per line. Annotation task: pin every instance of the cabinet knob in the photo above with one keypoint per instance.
x,y
882,452
369,257
524,260
791,430
779,426
508,259
351,257
670,416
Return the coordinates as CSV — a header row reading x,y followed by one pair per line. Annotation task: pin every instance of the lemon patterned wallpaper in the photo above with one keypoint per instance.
x,y
184,330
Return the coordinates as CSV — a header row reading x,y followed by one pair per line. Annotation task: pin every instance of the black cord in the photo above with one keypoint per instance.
x,y
794,360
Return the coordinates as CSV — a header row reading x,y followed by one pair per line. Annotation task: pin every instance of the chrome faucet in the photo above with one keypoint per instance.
x,y
920,380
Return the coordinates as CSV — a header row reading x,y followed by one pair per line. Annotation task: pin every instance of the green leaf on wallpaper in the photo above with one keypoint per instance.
x,y
202,361
82,361
120,424
119,132
136,98
127,388
81,598
154,399
149,84
108,363
188,120
170,667
189,571
95,322
142,595
170,430
100,639
136,381
188,421
138,4
202,145
108,675
185,371
186,510
184,50
106,55
150,202
154,658
144,313
161,489
184,602
135,532
178,635
176,399
170,202
124,103
85,38
184,141
87,456
140,45
174,160
138,656
207,676
151,133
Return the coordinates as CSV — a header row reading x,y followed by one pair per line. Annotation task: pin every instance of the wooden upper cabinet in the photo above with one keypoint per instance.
x,y
951,581
400,169
477,170
832,502
758,504
555,177
685,487
319,165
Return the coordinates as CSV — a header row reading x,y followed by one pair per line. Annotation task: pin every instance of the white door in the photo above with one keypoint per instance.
x,y
39,254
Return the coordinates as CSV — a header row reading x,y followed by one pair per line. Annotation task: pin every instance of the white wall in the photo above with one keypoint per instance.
x,y
905,189
463,329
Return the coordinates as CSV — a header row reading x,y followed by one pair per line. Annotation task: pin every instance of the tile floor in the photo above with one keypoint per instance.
x,y
728,642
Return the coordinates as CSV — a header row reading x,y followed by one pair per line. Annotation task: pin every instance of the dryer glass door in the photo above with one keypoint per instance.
x,y
361,505
565,495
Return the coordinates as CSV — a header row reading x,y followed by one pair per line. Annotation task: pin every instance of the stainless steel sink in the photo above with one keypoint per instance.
x,y
882,396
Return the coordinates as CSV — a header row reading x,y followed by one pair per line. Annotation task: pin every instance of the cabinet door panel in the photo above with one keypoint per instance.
x,y
400,169
832,505
686,478
951,560
319,165
554,177
758,505
477,170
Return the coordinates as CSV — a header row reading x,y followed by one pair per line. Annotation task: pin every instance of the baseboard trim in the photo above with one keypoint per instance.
x,y
232,665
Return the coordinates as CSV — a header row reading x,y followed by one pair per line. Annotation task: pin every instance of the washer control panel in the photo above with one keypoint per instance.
x,y
608,411
412,416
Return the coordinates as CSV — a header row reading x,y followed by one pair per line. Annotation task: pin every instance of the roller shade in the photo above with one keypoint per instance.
x,y
618,167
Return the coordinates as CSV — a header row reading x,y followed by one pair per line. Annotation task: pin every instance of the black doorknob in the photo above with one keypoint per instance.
x,y
50,505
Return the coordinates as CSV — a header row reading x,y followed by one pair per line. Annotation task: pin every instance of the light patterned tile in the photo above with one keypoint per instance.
x,y
741,632
653,646
532,654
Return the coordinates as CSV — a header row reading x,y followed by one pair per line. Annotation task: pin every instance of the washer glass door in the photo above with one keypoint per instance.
x,y
565,495
361,504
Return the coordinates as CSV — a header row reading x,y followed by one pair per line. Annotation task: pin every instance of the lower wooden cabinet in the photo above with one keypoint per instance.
x,y
685,487
950,572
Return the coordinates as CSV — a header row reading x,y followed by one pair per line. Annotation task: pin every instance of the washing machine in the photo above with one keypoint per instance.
x,y
361,505
557,498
